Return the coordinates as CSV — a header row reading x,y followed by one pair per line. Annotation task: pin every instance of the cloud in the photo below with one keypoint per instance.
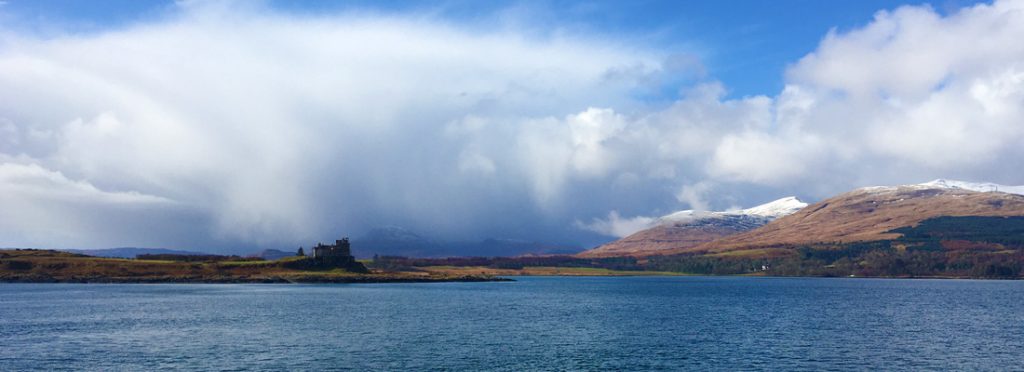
x,y
617,226
693,195
229,126
762,158
284,128
34,182
910,96
941,92
42,202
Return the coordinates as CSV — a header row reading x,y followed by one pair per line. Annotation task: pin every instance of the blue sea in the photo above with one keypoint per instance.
x,y
534,323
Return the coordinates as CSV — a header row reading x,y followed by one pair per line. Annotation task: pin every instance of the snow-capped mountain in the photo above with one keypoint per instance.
x,y
864,214
872,213
690,228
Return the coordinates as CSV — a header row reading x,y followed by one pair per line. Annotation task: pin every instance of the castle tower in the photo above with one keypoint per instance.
x,y
343,247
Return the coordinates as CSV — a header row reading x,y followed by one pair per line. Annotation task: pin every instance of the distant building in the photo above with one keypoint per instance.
x,y
327,256
341,249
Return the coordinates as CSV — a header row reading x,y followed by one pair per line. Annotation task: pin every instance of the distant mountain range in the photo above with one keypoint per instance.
x,y
384,241
274,254
398,241
862,215
127,252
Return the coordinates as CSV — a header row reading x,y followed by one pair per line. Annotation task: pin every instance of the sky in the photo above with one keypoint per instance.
x,y
237,126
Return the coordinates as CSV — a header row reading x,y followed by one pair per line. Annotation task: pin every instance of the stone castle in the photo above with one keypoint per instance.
x,y
338,255
340,250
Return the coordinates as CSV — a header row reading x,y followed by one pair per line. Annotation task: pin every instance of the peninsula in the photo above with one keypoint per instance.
x,y
328,264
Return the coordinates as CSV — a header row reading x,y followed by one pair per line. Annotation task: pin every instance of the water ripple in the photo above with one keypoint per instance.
x,y
565,324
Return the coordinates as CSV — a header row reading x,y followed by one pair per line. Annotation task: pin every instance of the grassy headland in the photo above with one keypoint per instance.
x,y
31,265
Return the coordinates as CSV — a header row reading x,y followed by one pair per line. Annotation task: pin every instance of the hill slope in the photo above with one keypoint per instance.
x,y
871,213
688,229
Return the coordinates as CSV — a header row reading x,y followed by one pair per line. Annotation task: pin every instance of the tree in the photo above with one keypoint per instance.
x,y
301,252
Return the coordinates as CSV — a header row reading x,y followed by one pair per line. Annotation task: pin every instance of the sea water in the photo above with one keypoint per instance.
x,y
534,323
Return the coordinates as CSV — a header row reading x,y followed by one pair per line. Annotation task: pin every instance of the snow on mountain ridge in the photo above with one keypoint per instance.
x,y
974,186
951,184
778,208
771,210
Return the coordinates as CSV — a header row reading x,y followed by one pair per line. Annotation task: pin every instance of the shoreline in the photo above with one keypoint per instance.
x,y
314,279
45,266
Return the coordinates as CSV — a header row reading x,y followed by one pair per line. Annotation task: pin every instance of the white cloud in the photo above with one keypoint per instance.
x,y
762,158
472,162
590,130
910,96
694,195
617,226
42,207
9,134
286,128
275,129
917,88
30,181
911,92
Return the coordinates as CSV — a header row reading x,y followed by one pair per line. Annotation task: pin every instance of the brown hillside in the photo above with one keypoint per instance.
x,y
658,239
675,236
867,214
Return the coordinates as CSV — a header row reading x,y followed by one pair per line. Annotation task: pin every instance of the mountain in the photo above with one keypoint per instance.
x,y
273,254
492,247
398,241
872,213
393,241
127,252
686,229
